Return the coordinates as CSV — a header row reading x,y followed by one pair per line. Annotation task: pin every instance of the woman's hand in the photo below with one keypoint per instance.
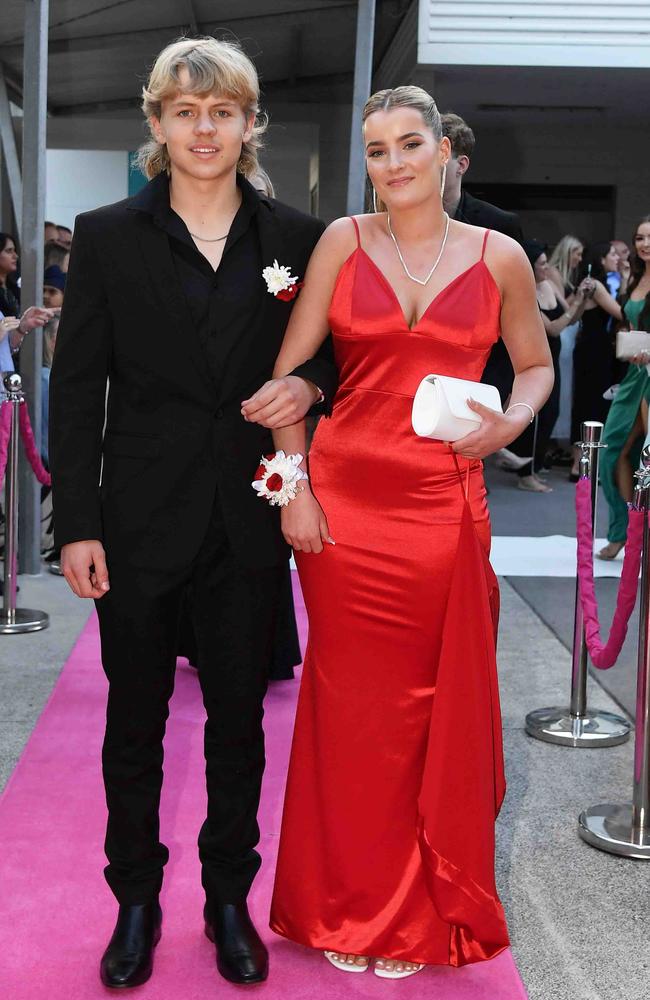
x,y
496,431
304,524
8,324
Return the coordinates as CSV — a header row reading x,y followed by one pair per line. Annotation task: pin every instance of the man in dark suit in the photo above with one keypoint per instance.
x,y
465,208
167,305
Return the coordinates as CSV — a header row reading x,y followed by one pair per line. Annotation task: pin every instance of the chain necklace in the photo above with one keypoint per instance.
x,y
202,239
420,281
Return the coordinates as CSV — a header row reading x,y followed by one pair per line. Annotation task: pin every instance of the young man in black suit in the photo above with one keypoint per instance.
x,y
167,305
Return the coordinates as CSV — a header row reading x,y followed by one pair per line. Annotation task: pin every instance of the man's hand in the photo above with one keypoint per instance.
x,y
33,317
280,402
84,567
30,319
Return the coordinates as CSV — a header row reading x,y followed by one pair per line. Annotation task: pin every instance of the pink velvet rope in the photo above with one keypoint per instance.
x,y
5,433
31,451
605,656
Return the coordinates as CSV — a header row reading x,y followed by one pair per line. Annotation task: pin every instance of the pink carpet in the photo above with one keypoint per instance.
x,y
57,913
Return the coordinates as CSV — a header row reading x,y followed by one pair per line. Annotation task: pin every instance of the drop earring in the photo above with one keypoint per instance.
x,y
374,201
444,178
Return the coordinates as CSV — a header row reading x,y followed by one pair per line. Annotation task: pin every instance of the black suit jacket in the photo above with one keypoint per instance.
x,y
481,213
168,443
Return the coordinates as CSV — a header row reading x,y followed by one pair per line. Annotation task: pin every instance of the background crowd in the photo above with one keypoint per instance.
x,y
586,295
16,322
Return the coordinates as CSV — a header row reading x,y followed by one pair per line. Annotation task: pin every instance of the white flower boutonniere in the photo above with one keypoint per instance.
x,y
280,282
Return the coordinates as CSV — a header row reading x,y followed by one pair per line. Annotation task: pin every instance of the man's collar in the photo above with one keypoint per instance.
x,y
153,198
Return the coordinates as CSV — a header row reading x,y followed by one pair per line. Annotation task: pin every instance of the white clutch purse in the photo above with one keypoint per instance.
x,y
631,342
440,407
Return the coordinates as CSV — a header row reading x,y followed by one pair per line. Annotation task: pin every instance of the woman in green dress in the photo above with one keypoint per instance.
x,y
627,420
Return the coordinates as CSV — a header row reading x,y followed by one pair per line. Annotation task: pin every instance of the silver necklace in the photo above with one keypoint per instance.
x,y
420,281
203,239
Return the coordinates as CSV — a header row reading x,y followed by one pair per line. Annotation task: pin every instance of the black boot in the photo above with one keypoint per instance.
x,y
128,960
241,955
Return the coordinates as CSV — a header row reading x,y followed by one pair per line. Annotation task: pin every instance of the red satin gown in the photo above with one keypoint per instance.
x,y
396,774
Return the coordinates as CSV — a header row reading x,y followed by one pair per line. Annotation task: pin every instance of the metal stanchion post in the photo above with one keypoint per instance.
x,y
625,829
12,619
576,726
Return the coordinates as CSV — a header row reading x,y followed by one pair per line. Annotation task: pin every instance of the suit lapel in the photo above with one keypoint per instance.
x,y
273,247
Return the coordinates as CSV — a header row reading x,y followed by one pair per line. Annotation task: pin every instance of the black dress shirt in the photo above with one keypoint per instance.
x,y
228,298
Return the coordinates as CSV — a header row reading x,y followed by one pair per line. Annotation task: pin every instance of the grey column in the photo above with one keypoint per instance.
x,y
9,150
33,217
362,85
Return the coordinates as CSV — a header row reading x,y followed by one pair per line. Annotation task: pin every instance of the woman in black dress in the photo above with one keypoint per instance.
x,y
595,368
9,301
556,315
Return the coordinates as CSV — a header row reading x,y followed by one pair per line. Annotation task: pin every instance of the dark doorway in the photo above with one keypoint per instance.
x,y
550,211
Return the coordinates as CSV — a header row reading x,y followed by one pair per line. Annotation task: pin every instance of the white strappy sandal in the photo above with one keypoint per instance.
x,y
350,962
394,973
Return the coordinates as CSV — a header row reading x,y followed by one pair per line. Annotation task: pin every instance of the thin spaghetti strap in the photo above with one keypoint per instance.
x,y
356,226
485,239
464,488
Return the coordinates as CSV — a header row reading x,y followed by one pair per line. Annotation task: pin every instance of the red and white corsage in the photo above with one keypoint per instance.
x,y
280,282
277,478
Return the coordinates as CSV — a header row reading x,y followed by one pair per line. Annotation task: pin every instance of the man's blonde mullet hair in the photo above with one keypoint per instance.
x,y
214,67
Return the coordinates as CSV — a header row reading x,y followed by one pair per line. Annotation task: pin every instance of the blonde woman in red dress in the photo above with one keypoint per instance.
x,y
396,776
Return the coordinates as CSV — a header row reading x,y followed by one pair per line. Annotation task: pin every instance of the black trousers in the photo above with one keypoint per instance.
x,y
233,612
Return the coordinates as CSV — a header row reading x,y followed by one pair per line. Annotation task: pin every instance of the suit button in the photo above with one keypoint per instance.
x,y
218,414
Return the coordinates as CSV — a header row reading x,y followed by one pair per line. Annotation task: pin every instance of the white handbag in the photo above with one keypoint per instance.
x,y
631,342
440,407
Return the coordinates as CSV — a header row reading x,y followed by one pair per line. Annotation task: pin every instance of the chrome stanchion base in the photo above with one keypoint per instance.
x,y
22,620
609,828
595,729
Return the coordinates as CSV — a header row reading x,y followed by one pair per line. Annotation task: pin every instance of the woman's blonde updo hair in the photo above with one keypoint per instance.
x,y
405,97
214,67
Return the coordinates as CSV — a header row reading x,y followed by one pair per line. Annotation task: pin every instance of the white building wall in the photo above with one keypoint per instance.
x,y
333,124
614,33
290,150
78,180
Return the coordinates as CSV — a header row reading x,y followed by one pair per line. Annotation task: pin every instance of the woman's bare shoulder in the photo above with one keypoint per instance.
x,y
506,258
338,241
504,246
